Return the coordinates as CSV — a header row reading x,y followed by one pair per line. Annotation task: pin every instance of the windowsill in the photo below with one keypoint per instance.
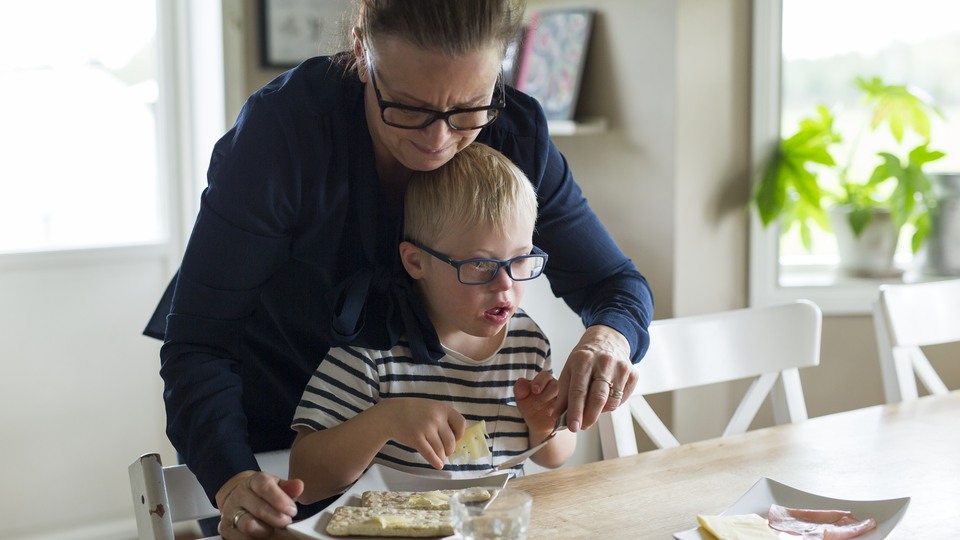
x,y
835,293
44,258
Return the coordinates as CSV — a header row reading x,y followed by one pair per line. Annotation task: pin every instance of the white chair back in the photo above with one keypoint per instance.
x,y
767,344
907,317
163,496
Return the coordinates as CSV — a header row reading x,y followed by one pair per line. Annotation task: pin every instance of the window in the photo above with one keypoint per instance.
x,y
808,52
79,131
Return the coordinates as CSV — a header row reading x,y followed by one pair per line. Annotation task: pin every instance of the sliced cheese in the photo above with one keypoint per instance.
x,y
438,499
472,446
430,499
739,527
386,522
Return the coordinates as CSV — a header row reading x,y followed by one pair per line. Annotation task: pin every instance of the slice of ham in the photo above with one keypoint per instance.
x,y
818,524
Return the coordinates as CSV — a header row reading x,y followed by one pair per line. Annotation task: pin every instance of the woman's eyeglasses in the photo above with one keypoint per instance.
x,y
407,117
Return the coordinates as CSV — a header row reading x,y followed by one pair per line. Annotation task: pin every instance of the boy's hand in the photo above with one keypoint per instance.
x,y
534,399
431,427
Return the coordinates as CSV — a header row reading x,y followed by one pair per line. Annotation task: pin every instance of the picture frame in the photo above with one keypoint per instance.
x,y
293,30
552,59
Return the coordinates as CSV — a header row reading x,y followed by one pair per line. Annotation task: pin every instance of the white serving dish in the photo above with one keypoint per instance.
x,y
757,500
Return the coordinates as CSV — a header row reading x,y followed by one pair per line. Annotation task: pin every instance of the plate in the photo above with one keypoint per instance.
x,y
383,478
765,492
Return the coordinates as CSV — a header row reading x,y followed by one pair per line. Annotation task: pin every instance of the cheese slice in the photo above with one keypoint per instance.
x,y
739,527
472,446
430,500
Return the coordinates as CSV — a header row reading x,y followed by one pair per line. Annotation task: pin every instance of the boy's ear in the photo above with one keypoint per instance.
x,y
412,259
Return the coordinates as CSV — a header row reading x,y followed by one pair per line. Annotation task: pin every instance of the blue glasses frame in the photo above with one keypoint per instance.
x,y
536,253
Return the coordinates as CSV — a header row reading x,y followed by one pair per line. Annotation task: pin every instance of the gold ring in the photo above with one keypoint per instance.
x,y
601,379
237,515
616,394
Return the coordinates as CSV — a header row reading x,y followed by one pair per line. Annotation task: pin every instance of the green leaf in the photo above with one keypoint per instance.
x,y
770,193
898,107
922,225
921,155
859,218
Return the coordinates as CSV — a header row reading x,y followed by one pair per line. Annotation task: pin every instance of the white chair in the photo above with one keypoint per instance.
x,y
907,317
163,496
767,344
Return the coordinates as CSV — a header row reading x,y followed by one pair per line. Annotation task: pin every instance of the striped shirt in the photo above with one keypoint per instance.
x,y
351,380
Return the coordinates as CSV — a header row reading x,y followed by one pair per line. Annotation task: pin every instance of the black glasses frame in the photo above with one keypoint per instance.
x,y
535,253
497,105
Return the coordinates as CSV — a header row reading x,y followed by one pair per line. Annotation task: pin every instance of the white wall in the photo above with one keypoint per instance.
x,y
80,398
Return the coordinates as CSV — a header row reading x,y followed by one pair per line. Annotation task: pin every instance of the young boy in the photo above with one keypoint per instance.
x,y
469,228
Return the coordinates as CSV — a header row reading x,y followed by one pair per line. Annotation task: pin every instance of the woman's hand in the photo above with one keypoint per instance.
x,y
597,377
254,504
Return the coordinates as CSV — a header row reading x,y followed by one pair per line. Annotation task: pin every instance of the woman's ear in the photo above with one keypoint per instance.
x,y
412,259
358,52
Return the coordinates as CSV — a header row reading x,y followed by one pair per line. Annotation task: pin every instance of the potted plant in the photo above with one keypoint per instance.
x,y
805,185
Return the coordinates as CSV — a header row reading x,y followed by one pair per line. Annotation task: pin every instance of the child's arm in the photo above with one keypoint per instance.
x,y
330,460
534,399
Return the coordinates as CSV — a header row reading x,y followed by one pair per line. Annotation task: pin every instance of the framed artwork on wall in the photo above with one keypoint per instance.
x,y
552,59
294,30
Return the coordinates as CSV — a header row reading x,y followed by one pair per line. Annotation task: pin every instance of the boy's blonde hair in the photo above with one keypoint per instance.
x,y
479,186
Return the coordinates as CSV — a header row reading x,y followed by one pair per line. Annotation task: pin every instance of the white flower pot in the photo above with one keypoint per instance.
x,y
871,253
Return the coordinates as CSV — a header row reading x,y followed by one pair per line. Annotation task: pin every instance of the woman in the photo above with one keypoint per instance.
x,y
297,232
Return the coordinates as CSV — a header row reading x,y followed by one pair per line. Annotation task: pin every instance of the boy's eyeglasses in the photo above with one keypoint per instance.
x,y
407,117
480,271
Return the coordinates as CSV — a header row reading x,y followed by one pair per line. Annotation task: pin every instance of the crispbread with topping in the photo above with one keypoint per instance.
x,y
428,500
385,521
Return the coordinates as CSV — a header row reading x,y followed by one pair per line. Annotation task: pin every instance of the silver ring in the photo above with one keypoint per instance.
x,y
237,515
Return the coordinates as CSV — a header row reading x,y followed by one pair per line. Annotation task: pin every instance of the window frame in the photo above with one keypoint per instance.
x,y
190,117
835,295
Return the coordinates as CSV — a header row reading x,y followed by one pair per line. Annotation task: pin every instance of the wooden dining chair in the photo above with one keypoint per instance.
x,y
163,495
907,317
764,344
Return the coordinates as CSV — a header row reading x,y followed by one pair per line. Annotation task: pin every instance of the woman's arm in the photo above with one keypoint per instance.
x,y
587,268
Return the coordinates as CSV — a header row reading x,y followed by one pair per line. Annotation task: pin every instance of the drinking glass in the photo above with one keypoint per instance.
x,y
506,517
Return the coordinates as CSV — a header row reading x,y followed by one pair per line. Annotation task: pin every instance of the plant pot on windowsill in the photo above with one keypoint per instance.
x,y
802,180
870,253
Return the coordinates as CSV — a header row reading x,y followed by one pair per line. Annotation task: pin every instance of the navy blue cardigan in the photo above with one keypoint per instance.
x,y
292,212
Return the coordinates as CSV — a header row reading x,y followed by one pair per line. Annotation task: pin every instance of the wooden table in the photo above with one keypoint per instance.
x,y
905,449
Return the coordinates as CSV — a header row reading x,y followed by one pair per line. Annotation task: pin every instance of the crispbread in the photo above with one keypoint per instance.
x,y
428,500
385,521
